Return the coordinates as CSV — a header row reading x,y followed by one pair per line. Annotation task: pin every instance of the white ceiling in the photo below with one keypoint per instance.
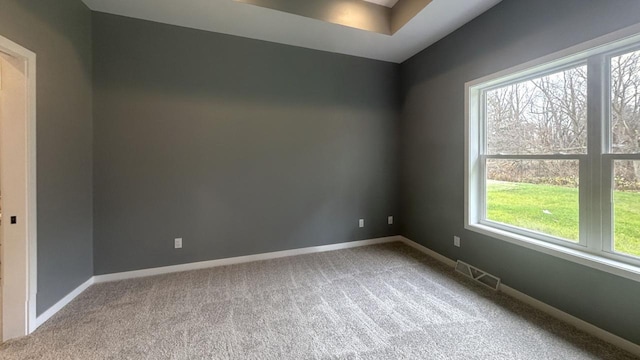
x,y
438,19
387,3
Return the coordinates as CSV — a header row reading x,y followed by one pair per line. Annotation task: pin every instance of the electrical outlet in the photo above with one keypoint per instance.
x,y
361,223
456,241
177,243
390,220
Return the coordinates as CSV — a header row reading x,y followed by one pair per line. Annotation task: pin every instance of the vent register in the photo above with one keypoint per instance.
x,y
478,275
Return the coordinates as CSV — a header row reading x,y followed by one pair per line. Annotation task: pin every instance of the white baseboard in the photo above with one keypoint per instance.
x,y
546,308
62,303
570,319
200,265
238,260
559,314
433,254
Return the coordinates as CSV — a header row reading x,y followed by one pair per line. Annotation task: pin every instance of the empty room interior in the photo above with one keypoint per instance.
x,y
320,179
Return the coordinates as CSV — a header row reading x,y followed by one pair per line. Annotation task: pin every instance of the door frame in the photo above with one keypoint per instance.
x,y
27,322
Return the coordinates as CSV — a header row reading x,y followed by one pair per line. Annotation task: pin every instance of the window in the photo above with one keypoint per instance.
x,y
622,159
553,154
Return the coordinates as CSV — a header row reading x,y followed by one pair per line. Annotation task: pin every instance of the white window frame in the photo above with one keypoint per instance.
x,y
596,185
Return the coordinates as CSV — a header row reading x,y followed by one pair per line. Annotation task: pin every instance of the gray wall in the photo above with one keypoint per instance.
x,y
432,151
59,32
238,146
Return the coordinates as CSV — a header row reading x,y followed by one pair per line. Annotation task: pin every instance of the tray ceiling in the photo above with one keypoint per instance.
x,y
387,3
436,20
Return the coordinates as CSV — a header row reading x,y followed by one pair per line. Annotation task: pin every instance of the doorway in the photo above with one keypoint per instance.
x,y
17,191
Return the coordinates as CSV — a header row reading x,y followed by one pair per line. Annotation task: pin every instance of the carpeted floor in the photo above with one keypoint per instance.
x,y
377,302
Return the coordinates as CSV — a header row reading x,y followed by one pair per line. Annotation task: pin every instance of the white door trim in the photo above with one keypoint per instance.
x,y
29,314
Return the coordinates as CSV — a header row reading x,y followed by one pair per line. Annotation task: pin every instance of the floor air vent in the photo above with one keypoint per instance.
x,y
478,275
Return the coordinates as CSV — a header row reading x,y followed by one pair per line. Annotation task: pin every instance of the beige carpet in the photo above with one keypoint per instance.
x,y
377,302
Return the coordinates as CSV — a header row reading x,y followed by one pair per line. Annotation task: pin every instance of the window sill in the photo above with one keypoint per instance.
x,y
581,257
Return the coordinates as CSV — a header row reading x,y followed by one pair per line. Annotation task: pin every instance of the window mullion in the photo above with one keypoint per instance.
x,y
594,186
538,157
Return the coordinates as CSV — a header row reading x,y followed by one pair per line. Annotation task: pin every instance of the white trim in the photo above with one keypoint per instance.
x,y
32,190
620,38
581,257
572,320
201,265
443,259
11,48
62,303
239,260
548,309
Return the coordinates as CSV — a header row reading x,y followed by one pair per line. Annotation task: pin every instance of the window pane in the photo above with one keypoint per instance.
x,y
625,103
537,195
545,115
626,207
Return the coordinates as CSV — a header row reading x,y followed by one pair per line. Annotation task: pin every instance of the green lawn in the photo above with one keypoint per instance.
x,y
554,210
